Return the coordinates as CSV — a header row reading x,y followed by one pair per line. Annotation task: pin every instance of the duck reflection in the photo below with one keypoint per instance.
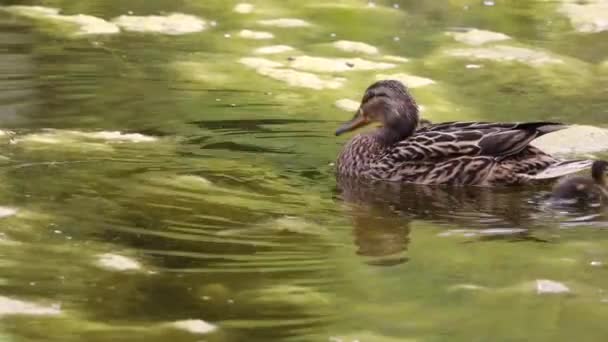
x,y
381,214
381,236
17,72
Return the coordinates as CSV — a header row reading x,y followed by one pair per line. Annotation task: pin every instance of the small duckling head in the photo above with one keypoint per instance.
x,y
598,171
389,103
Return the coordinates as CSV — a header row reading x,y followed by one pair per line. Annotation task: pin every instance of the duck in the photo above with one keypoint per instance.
x,y
408,149
584,189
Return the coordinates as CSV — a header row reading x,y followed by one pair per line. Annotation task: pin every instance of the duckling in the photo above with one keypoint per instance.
x,y
584,189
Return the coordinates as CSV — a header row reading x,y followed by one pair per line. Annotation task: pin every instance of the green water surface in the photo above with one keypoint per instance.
x,y
231,212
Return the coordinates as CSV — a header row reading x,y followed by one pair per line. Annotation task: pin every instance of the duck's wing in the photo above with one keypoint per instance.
x,y
455,139
562,168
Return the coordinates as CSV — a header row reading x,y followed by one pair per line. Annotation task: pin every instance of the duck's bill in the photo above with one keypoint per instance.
x,y
358,121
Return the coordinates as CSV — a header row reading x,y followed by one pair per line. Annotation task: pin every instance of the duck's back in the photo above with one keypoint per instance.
x,y
468,153
457,153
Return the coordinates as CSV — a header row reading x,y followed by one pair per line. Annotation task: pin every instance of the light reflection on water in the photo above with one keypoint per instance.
x,y
232,214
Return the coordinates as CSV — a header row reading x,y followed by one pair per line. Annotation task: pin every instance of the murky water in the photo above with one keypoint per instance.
x,y
161,178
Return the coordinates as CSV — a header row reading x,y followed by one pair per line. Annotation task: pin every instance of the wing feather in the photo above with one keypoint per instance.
x,y
455,139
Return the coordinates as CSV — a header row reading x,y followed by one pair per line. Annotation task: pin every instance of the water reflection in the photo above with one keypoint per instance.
x,y
17,69
382,213
228,211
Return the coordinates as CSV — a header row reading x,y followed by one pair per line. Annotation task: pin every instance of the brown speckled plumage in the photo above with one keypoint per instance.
x,y
404,149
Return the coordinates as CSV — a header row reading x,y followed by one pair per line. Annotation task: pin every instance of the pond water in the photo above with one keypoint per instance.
x,y
169,176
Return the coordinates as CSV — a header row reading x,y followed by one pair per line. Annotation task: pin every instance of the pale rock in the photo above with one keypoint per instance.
x,y
574,140
256,35
255,62
467,287
478,37
409,80
544,286
116,136
275,70
244,8
194,326
274,49
302,79
397,59
117,262
284,22
323,64
347,105
505,53
87,24
7,211
172,24
9,306
588,17
355,47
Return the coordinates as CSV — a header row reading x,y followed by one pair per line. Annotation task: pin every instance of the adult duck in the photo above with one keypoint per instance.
x,y
457,153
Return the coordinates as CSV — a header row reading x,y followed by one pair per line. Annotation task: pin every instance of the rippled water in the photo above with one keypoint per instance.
x,y
156,186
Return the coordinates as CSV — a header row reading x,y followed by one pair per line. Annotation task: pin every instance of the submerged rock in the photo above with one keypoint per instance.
x,y
576,139
324,64
116,136
347,105
284,22
9,306
302,79
274,49
365,336
86,24
257,35
256,62
194,70
467,287
62,140
478,37
7,211
483,232
397,59
276,70
172,24
5,241
194,326
506,53
80,141
117,262
544,286
409,80
191,181
288,294
355,47
587,17
243,8
294,224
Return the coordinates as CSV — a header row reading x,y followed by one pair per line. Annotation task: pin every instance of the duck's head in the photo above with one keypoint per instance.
x,y
389,103
598,171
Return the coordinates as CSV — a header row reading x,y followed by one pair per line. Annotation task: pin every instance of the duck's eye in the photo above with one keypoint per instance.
x,y
378,95
371,96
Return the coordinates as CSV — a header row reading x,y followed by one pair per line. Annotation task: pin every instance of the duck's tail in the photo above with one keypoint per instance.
x,y
563,168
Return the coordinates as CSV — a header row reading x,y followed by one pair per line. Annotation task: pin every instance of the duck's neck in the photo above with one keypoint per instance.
x,y
389,136
395,129
598,172
601,181
365,149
